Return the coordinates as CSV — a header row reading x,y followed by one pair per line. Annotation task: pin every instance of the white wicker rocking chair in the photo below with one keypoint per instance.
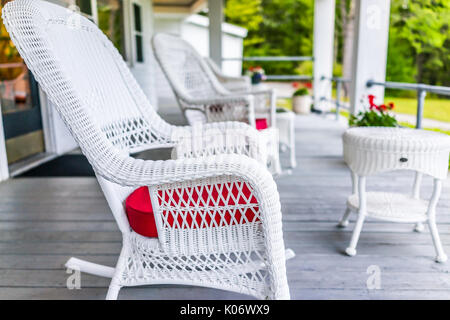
x,y
204,99
107,113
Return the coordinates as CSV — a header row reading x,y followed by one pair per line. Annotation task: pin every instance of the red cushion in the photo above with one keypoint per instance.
x,y
140,212
261,124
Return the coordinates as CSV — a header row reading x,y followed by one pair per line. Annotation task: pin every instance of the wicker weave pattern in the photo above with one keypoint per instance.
x,y
196,87
109,116
367,151
232,84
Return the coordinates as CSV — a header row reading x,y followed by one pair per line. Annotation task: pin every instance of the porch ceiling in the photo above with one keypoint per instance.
x,y
178,6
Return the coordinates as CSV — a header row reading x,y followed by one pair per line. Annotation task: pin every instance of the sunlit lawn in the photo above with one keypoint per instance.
x,y
437,109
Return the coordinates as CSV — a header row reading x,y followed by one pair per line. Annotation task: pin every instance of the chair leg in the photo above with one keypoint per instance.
x,y
419,227
351,250
113,291
292,144
344,220
275,162
292,158
440,254
289,254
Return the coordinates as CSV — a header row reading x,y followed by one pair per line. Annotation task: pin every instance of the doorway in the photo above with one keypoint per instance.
x,y
20,105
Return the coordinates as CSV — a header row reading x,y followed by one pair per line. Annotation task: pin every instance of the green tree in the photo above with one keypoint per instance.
x,y
276,28
419,41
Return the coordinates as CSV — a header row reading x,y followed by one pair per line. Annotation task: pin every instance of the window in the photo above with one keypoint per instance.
x,y
110,21
86,8
138,32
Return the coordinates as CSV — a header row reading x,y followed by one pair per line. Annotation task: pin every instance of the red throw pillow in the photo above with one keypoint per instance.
x,y
142,220
261,124
140,213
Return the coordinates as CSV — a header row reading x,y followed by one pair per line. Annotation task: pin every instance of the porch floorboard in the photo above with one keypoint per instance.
x,y
44,221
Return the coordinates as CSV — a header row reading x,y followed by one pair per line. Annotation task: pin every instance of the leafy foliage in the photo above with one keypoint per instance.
x,y
419,41
419,37
301,92
376,116
275,28
372,118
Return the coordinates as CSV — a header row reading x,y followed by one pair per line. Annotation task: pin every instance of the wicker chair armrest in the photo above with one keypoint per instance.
x,y
224,99
219,138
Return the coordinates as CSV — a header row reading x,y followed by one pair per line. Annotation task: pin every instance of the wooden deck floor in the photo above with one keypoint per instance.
x,y
45,221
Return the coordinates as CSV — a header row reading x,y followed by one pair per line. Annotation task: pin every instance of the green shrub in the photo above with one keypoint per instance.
x,y
372,118
301,92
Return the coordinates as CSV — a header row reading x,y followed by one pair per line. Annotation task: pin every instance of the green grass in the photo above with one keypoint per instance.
x,y
435,108
285,103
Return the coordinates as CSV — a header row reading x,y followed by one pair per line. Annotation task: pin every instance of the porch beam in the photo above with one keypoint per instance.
x,y
324,15
215,30
369,51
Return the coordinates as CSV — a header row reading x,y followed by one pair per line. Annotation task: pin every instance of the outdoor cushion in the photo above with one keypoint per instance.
x,y
261,124
140,215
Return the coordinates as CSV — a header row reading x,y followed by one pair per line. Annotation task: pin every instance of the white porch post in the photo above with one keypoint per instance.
x,y
324,13
369,51
215,30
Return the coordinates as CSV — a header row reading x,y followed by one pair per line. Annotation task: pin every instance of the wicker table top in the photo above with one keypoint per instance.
x,y
369,150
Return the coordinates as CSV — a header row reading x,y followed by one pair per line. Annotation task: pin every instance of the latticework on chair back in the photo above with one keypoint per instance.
x,y
192,79
90,85
186,70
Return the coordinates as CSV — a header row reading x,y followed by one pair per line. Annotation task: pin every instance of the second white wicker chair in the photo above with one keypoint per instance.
x,y
285,119
109,116
202,97
232,84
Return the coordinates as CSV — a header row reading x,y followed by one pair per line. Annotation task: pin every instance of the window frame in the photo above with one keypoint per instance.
x,y
137,33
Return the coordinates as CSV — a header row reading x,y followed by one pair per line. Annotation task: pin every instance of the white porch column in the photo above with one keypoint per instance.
x,y
215,30
324,13
369,51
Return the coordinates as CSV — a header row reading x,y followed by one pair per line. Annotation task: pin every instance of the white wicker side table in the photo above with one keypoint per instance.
x,y
371,150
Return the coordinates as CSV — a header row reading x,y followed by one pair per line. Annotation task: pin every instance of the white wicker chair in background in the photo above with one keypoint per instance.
x,y
285,119
204,99
109,116
232,84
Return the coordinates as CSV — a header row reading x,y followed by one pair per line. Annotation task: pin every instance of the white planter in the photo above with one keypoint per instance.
x,y
302,104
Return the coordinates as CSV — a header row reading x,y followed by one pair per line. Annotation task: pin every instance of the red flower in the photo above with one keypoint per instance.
x,y
308,85
382,107
295,84
391,105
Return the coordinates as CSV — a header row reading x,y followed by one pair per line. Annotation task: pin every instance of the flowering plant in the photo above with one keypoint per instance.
x,y
376,116
301,91
257,74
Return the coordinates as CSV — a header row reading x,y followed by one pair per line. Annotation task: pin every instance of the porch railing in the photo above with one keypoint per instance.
x,y
421,89
278,59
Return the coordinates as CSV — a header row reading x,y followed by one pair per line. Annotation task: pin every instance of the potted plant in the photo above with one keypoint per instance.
x,y
256,74
301,101
376,116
